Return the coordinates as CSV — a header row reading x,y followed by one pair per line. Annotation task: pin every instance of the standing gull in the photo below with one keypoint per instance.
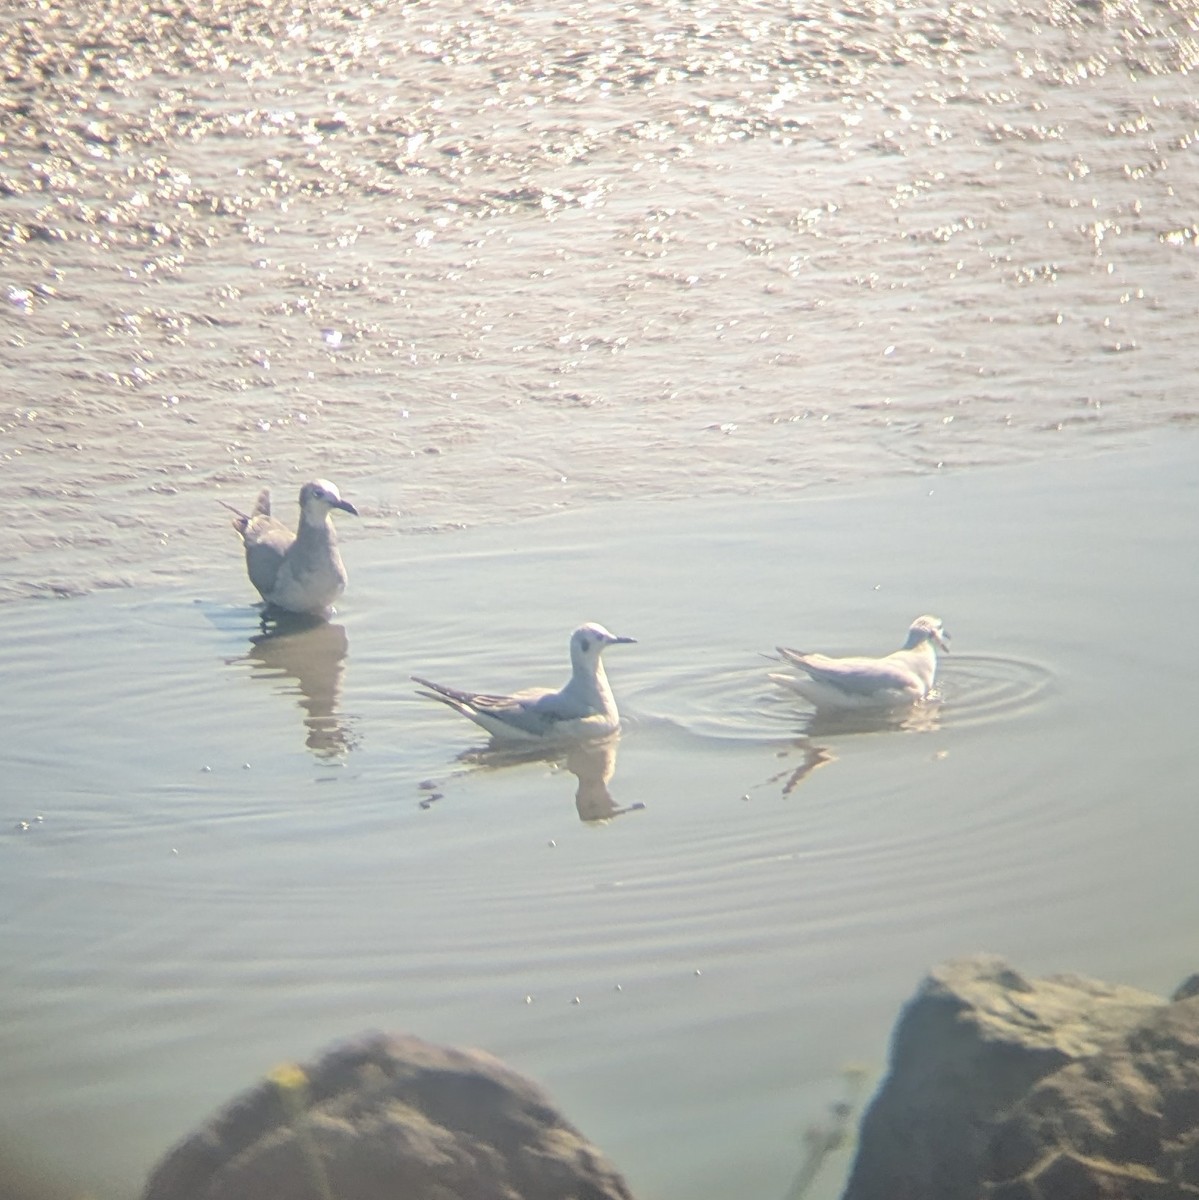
x,y
299,572
582,710
898,679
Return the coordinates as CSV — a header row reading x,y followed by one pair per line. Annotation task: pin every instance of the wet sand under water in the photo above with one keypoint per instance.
x,y
221,853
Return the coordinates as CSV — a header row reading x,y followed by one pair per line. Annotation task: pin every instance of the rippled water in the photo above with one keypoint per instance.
x,y
478,261
860,291
222,851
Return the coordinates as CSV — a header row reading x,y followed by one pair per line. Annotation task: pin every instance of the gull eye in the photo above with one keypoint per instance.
x,y
584,645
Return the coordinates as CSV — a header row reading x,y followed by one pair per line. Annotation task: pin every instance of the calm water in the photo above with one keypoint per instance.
x,y
725,327
240,851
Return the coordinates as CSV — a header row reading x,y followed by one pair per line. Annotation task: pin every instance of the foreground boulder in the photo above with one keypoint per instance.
x,y
387,1117
1007,1088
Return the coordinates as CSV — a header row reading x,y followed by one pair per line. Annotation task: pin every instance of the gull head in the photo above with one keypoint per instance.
x,y
588,642
927,629
318,497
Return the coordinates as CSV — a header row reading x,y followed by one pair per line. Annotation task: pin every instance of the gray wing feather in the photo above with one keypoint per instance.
x,y
267,542
531,712
858,676
455,696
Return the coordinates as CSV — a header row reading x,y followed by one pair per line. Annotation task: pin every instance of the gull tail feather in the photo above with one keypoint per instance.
x,y
436,691
240,520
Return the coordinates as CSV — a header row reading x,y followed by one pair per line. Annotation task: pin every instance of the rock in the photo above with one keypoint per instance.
x,y
385,1117
975,1040
1122,1124
1187,988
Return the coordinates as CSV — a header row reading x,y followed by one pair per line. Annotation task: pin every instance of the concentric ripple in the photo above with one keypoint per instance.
x,y
715,702
979,688
740,702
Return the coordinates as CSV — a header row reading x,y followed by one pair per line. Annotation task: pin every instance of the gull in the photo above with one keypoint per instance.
x,y
901,678
582,710
299,572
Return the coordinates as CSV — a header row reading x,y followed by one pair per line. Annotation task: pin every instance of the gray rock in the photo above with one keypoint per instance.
x,y
1123,1124
972,1042
389,1117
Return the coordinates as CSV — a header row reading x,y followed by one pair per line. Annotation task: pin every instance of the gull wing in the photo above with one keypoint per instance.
x,y
530,714
267,542
855,676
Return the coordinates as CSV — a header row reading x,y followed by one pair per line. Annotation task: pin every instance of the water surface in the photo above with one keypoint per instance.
x,y
220,854
725,327
475,261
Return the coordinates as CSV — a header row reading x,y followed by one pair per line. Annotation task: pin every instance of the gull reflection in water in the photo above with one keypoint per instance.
x,y
924,717
591,763
305,657
813,757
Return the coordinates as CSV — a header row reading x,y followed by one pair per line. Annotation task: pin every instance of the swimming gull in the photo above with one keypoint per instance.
x,y
901,678
582,710
299,572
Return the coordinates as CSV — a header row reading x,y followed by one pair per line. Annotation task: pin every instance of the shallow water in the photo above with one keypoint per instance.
x,y
862,294
237,852
475,262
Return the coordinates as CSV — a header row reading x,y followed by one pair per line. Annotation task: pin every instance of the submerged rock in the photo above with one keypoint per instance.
x,y
384,1117
1008,1088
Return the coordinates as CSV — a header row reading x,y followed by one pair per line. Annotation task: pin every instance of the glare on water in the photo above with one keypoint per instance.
x,y
728,328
